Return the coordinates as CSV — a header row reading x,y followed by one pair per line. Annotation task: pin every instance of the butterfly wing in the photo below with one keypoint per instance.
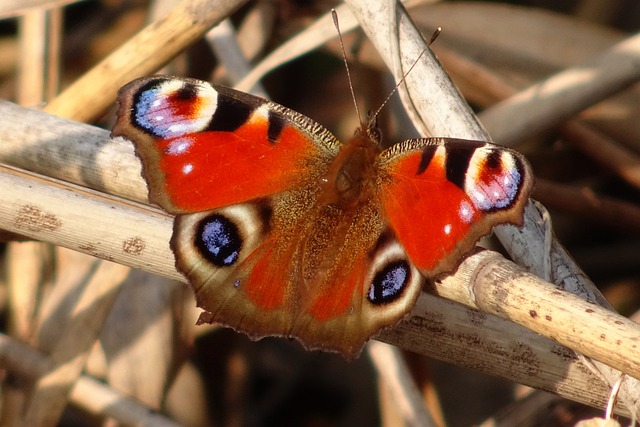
x,y
441,195
205,146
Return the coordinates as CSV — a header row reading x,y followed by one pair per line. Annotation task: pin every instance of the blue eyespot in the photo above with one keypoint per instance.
x,y
218,240
389,283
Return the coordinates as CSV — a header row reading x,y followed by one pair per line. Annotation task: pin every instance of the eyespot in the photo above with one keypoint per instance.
x,y
389,282
218,240
171,108
494,179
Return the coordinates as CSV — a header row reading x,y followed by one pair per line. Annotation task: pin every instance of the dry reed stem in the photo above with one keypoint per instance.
x,y
565,94
395,375
624,162
51,390
45,205
87,393
83,220
584,203
89,96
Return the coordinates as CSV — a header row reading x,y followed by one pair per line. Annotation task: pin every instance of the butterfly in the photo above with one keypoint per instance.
x,y
283,230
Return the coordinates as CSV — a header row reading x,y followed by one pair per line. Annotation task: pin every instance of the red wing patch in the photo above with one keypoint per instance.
x,y
204,147
241,166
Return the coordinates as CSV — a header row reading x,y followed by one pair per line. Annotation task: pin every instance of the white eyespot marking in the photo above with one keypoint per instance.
x,y
477,197
178,128
187,169
179,146
447,229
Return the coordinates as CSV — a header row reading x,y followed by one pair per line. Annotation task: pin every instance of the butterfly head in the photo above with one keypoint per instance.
x,y
372,130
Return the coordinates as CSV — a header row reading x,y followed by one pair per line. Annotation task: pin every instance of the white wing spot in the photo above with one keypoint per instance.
x,y
447,229
464,212
179,146
187,169
262,111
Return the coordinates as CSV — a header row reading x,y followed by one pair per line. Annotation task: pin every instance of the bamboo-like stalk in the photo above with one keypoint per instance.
x,y
89,96
565,93
89,394
82,219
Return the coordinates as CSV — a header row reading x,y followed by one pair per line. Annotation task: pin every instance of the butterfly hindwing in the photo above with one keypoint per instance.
x,y
441,195
205,146
263,270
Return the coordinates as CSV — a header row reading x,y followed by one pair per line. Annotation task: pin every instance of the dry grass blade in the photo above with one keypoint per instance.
x,y
314,36
395,375
223,41
87,393
70,354
565,94
85,99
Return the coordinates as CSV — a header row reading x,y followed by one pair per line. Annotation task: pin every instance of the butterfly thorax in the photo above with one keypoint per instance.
x,y
351,174
345,213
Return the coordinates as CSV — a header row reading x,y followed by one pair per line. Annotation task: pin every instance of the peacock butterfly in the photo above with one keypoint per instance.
x,y
283,230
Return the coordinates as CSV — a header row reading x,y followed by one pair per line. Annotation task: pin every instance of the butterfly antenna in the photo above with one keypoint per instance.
x,y
433,38
334,14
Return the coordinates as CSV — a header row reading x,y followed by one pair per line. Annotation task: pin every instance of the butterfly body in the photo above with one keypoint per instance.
x,y
283,230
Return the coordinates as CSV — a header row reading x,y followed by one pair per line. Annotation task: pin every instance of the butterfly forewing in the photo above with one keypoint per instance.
x,y
204,147
441,195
